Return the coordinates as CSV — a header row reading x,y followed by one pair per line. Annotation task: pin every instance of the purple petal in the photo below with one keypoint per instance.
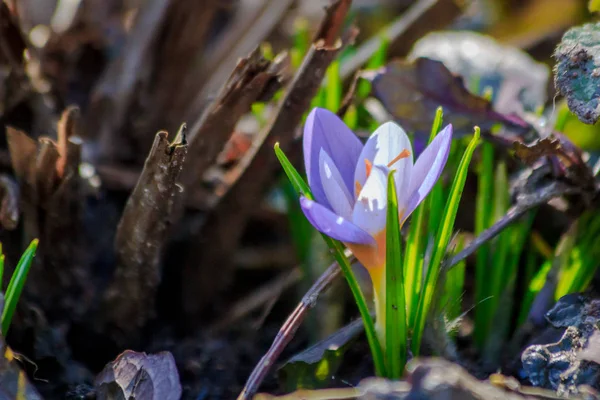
x,y
333,225
324,130
333,185
428,168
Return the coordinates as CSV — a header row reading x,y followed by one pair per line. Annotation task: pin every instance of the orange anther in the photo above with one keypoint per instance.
x,y
357,187
403,154
369,166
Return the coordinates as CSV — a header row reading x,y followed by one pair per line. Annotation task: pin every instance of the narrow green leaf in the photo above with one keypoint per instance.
x,y
454,284
436,198
338,252
441,242
301,42
436,207
535,285
333,88
501,244
377,60
437,124
412,258
296,180
415,246
483,219
301,35
15,287
300,229
395,319
320,99
267,51
579,251
1,267
351,117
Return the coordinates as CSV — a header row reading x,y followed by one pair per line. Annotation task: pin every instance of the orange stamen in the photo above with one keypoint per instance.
x,y
403,154
357,187
369,166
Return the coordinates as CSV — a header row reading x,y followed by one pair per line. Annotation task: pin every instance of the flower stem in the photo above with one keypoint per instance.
x,y
359,298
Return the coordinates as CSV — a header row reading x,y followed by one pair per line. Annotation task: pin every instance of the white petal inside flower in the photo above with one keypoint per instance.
x,y
390,147
334,187
371,206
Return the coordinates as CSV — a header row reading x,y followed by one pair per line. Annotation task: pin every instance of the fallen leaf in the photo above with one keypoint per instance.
x,y
139,376
531,153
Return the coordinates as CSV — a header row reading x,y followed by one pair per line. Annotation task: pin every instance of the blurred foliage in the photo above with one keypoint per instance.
x,y
583,135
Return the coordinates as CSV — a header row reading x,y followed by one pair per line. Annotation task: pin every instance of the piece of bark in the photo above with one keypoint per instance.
x,y
23,152
52,212
142,231
64,280
252,78
208,268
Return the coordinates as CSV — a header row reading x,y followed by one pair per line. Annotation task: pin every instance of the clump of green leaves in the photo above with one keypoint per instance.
x,y
496,261
574,264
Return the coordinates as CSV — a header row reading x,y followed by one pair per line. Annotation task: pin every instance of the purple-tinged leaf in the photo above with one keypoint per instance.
x,y
411,92
516,80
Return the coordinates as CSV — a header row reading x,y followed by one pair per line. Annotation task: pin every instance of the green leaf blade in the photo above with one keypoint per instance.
x,y
15,287
296,180
395,321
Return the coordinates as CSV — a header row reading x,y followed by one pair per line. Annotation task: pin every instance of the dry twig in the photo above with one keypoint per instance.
x,y
287,331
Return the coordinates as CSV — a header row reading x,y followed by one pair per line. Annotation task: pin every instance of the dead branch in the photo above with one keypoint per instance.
x,y
422,17
256,171
129,300
250,80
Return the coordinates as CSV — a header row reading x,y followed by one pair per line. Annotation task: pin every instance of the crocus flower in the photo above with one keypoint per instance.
x,y
349,186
